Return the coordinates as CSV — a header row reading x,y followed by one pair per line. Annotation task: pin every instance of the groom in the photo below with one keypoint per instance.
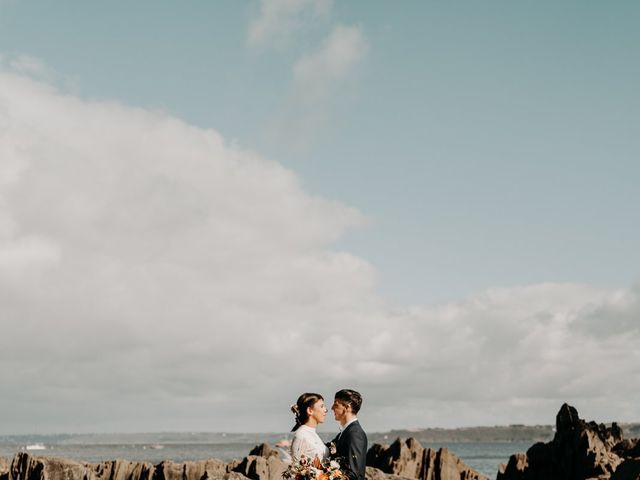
x,y
351,442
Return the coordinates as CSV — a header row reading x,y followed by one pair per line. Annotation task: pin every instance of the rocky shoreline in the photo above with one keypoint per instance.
x,y
402,460
580,450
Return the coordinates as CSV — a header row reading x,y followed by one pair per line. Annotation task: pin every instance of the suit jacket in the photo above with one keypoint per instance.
x,y
351,451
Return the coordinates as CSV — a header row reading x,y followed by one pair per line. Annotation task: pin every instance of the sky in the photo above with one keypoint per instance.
x,y
209,208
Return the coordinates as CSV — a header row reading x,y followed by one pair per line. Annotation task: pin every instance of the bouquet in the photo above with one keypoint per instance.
x,y
316,469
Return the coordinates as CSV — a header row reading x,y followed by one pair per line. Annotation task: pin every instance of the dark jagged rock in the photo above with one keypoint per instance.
x,y
579,451
264,450
628,448
407,458
518,462
374,453
629,470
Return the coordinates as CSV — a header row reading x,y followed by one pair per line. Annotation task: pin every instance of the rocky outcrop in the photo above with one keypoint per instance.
x,y
261,468
120,470
407,458
28,467
579,451
198,470
264,450
628,448
628,470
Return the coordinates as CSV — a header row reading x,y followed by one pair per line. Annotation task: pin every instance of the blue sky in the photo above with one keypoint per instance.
x,y
459,149
490,144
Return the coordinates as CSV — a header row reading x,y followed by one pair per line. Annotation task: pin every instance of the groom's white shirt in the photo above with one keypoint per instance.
x,y
342,429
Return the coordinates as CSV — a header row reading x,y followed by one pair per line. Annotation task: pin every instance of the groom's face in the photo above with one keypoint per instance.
x,y
340,411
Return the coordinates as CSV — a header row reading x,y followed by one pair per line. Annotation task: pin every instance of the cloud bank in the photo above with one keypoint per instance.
x,y
155,277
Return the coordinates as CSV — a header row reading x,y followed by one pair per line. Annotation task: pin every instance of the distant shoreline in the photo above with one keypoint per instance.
x,y
498,434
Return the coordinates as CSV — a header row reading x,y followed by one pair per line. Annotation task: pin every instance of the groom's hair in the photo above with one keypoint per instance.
x,y
350,397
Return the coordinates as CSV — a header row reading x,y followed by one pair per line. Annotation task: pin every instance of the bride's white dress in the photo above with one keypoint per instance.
x,y
307,442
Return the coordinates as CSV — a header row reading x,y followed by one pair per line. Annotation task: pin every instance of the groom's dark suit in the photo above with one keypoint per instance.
x,y
351,451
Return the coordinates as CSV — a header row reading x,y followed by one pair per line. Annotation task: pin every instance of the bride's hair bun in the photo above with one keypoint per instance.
x,y
295,410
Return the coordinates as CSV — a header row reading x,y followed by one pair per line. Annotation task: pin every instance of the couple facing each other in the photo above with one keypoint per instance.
x,y
349,447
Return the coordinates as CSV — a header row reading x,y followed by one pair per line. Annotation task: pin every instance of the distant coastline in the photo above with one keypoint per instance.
x,y
497,434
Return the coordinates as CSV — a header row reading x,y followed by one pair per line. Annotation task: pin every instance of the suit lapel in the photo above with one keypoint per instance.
x,y
342,437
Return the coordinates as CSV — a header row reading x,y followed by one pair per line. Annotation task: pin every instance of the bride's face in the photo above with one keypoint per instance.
x,y
318,412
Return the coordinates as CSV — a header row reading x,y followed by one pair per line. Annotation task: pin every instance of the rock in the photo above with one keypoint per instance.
x,y
374,453
579,450
517,463
448,466
261,468
4,468
402,458
629,470
376,474
233,465
628,448
198,470
233,476
122,470
27,467
407,458
264,450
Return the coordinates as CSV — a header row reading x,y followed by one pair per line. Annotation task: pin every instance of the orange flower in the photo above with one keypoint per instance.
x,y
323,476
317,463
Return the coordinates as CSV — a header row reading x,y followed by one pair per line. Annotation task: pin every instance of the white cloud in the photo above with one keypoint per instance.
x,y
318,75
26,65
513,356
36,69
278,20
152,277
317,78
156,244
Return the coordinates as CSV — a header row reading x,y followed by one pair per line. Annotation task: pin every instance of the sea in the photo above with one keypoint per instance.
x,y
186,446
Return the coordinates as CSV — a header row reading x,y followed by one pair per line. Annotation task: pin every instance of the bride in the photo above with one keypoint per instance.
x,y
309,411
